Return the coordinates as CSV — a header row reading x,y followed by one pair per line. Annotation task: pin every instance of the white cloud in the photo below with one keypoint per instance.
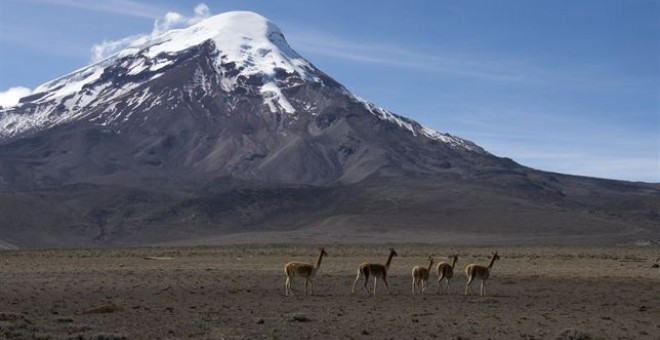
x,y
202,10
174,20
171,20
10,97
104,49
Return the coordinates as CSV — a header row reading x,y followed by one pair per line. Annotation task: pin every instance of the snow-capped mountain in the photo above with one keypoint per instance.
x,y
245,43
225,97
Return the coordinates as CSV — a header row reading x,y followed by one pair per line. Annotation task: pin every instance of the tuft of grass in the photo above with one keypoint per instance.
x,y
110,336
4,316
299,317
77,328
109,308
573,334
64,319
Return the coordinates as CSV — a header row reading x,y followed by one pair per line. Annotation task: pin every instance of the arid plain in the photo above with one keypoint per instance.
x,y
237,292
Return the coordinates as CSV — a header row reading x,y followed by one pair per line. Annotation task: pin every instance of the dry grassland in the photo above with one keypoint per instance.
x,y
237,292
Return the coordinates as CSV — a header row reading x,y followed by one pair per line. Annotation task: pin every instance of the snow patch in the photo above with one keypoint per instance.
x,y
274,98
138,68
70,84
160,63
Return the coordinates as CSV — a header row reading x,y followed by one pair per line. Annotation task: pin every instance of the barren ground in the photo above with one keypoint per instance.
x,y
237,292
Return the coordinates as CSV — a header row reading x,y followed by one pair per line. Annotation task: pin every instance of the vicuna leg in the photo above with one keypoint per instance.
x,y
356,281
387,288
375,283
467,286
366,280
291,286
311,287
414,282
439,285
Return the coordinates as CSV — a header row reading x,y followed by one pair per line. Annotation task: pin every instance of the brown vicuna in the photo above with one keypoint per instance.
x,y
446,272
305,270
420,277
473,271
376,270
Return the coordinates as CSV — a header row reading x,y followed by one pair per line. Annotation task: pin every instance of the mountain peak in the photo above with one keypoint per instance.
x,y
243,41
246,38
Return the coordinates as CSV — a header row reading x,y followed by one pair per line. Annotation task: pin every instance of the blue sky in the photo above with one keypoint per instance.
x,y
565,86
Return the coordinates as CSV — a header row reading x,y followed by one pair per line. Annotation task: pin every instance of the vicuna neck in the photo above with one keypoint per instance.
x,y
318,263
389,260
453,262
492,261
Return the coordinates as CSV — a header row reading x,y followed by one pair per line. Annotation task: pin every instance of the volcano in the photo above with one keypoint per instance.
x,y
223,129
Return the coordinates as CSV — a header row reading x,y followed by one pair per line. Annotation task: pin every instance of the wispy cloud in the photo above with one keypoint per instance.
x,y
164,23
59,45
106,48
53,43
451,62
399,56
122,7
